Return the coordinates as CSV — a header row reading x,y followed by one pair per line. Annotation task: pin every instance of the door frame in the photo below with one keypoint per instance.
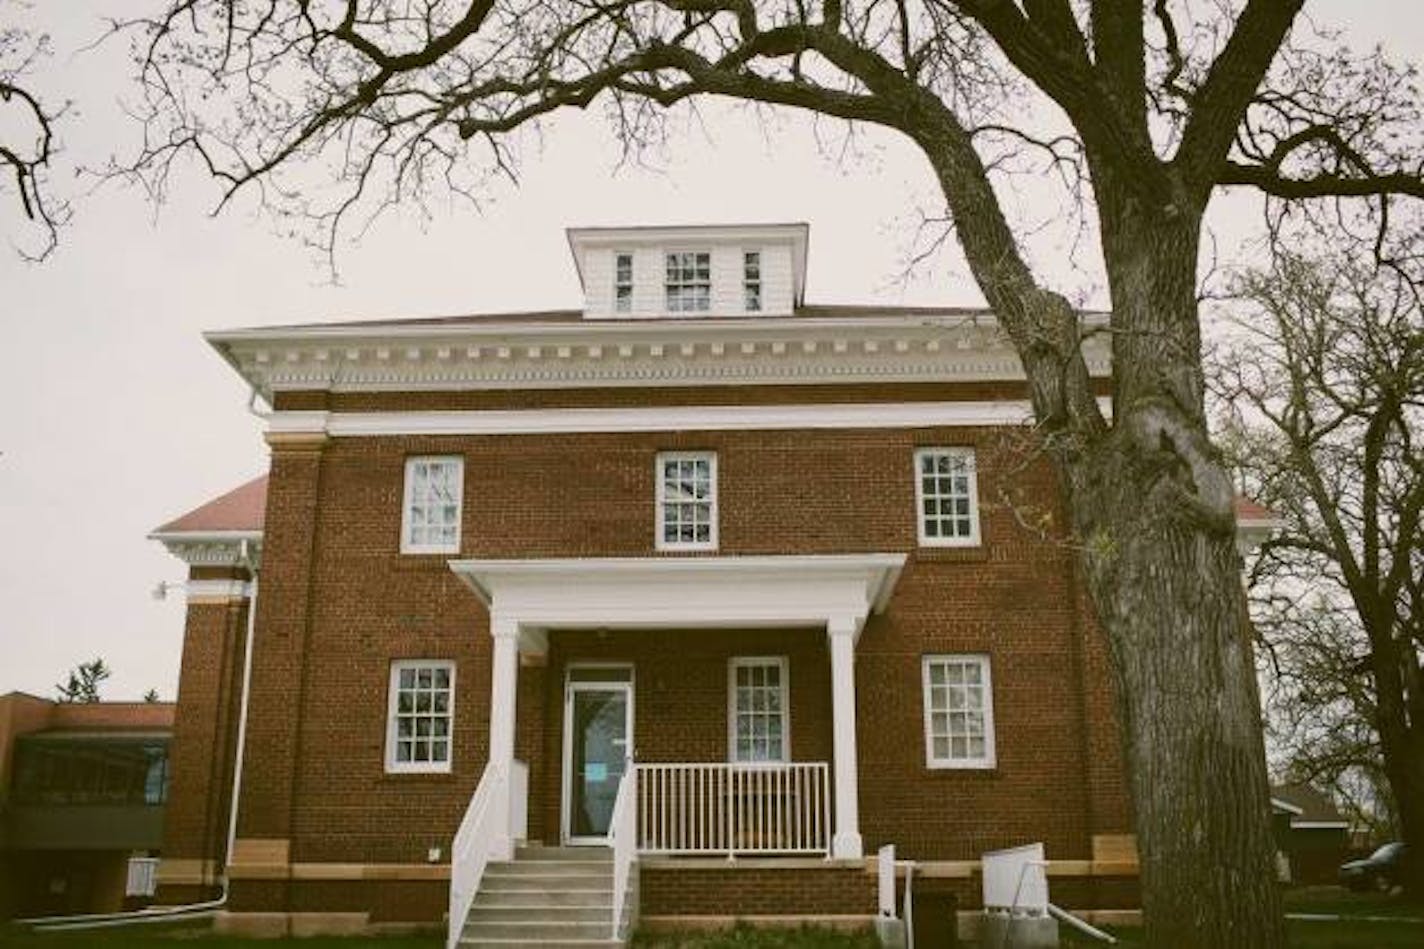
x,y
566,783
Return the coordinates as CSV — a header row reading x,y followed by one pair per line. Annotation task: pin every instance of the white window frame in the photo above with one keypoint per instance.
x,y
971,473
622,304
990,757
407,500
393,692
784,673
669,285
752,283
660,537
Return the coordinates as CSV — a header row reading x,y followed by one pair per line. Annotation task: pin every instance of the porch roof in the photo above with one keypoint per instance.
x,y
682,592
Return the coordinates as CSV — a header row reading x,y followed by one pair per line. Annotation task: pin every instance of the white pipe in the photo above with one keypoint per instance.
x,y
207,907
1080,925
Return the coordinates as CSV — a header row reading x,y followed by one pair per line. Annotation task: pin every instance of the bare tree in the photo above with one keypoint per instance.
x,y
333,109
27,144
1325,385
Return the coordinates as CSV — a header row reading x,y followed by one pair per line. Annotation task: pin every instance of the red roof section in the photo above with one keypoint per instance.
x,y
1249,510
241,509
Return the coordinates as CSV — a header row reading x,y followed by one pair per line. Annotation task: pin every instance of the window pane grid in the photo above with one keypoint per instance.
x,y
751,280
759,713
687,500
623,283
689,282
421,717
958,711
946,489
432,515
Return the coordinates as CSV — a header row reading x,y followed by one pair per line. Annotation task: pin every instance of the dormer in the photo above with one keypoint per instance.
x,y
690,272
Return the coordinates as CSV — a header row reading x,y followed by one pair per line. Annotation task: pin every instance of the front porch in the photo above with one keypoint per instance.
x,y
692,706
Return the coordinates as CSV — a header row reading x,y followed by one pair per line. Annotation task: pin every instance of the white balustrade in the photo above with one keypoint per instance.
x,y
623,836
734,808
486,820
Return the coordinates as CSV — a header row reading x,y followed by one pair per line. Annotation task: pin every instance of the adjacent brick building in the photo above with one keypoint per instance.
x,y
796,568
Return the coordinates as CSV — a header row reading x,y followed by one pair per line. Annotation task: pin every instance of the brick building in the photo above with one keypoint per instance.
x,y
699,573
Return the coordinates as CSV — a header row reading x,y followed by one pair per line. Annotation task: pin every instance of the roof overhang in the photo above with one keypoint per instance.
x,y
681,592
498,354
215,548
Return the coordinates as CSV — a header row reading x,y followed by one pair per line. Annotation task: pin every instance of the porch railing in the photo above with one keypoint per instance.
x,y
623,836
731,808
471,851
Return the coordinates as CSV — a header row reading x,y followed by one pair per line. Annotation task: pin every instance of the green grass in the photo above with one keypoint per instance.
x,y
147,937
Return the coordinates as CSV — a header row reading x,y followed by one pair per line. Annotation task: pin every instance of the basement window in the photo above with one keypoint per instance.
x,y
422,702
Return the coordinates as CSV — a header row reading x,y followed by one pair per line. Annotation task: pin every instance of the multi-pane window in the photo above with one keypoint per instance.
x,y
689,281
959,712
751,280
757,709
433,490
421,708
687,500
946,497
623,282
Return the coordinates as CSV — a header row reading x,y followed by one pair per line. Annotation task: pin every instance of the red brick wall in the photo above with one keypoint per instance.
x,y
202,753
338,603
738,891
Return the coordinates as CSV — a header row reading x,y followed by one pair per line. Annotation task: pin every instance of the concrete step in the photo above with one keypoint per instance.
x,y
598,914
496,882
580,854
482,943
543,896
588,868
535,929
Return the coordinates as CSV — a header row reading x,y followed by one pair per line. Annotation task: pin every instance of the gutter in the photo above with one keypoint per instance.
x,y
208,907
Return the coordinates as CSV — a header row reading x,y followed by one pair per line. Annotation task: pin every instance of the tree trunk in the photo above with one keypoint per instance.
x,y
1153,504
1151,507
1402,744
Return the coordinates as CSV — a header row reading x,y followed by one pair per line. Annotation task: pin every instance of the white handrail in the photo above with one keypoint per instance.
x,y
734,808
487,814
623,835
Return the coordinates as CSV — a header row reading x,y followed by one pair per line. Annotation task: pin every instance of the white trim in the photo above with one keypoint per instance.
x,y
990,759
392,766
783,664
1319,825
972,472
406,546
212,548
1286,806
566,777
214,589
929,346
683,592
658,419
660,541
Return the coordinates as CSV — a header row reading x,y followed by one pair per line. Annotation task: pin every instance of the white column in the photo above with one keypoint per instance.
x,y
504,682
841,631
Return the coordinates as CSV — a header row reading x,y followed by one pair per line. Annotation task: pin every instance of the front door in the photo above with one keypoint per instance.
x,y
598,726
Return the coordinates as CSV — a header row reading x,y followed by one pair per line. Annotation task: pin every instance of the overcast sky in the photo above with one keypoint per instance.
x,y
115,416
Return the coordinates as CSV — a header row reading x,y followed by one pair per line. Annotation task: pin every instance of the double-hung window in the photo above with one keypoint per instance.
x,y
751,281
434,489
622,282
421,711
946,497
757,716
959,712
689,281
687,500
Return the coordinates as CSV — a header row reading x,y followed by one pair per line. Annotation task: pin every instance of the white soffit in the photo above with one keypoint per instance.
x,y
682,592
491,354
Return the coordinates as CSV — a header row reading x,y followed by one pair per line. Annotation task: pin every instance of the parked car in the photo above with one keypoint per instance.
x,y
1381,870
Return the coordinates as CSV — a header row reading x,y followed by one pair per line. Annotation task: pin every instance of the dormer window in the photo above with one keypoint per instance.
x,y
689,282
623,282
751,281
